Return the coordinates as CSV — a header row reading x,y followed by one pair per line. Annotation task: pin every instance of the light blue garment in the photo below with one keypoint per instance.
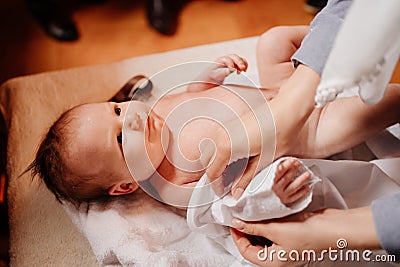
x,y
318,43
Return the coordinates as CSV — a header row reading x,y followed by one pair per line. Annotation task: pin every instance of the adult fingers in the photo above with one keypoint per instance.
x,y
246,177
215,170
251,228
215,157
248,251
254,253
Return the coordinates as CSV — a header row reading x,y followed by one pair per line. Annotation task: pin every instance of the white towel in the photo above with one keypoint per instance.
x,y
365,53
210,215
136,230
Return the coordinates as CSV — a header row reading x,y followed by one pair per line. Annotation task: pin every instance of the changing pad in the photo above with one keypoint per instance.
x,y
41,233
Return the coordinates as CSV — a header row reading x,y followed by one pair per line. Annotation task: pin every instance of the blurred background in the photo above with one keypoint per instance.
x,y
47,35
117,29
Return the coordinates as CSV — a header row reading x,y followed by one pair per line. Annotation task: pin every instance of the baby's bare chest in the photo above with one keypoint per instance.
x,y
193,120
195,117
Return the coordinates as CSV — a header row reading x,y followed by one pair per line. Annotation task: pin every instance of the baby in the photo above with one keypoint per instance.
x,y
82,157
94,150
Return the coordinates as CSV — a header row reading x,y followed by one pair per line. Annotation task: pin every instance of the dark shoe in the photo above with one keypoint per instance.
x,y
94,1
163,15
55,20
139,87
314,6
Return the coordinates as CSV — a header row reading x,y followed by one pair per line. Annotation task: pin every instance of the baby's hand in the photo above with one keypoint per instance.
x,y
227,65
217,73
287,186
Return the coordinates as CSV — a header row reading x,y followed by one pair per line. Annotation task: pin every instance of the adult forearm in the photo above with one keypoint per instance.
x,y
292,107
356,226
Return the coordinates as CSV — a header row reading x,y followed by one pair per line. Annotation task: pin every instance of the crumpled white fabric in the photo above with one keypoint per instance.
x,y
365,53
210,215
137,230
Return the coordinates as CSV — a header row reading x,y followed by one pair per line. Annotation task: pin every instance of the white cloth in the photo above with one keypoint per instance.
x,y
210,215
138,230
365,53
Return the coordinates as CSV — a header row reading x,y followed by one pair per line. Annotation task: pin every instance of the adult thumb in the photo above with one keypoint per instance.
x,y
251,228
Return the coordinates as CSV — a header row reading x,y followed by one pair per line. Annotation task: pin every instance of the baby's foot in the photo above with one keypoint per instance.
x,y
289,184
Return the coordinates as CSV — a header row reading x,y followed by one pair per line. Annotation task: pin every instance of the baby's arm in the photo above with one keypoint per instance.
x,y
288,185
216,73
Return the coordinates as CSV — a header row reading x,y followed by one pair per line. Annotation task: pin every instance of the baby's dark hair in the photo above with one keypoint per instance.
x,y
50,164
51,161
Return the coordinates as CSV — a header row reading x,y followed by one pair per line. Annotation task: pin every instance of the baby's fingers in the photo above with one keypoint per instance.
x,y
233,62
218,75
240,63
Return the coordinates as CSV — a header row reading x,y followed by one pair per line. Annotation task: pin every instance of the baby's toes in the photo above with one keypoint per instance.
x,y
285,173
298,195
298,183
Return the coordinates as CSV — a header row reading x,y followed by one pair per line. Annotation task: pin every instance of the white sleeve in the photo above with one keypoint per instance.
x,y
365,52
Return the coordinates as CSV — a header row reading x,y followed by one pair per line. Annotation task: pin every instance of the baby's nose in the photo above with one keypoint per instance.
x,y
133,121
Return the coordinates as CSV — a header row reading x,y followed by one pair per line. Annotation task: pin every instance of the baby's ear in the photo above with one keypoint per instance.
x,y
122,188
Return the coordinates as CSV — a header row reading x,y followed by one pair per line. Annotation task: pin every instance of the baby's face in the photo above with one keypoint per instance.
x,y
106,130
145,139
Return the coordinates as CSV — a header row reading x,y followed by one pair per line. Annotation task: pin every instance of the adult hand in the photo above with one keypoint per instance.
x,y
261,132
250,137
306,231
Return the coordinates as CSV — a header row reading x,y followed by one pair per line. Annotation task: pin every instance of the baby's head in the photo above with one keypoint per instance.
x,y
81,157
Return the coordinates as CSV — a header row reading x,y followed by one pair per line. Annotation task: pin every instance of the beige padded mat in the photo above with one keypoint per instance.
x,y
41,234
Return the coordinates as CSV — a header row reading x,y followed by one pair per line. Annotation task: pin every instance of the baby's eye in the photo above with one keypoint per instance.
x,y
119,138
117,111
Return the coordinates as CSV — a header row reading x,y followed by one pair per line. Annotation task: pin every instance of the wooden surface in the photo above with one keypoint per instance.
x,y
118,29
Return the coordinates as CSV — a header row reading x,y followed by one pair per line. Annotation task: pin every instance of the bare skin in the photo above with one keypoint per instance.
x,y
287,186
301,130
356,225
319,137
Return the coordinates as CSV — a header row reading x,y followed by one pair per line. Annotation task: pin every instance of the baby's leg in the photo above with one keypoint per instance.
x,y
274,50
289,185
347,122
